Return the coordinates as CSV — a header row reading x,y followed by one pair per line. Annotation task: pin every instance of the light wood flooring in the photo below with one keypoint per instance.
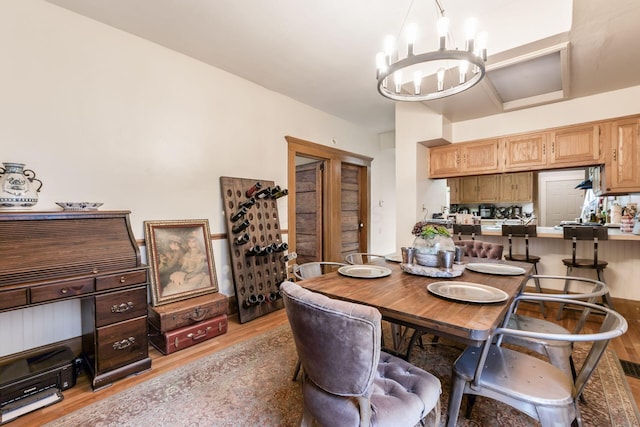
x,y
627,347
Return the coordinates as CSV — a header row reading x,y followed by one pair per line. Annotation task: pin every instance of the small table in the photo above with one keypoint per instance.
x,y
403,299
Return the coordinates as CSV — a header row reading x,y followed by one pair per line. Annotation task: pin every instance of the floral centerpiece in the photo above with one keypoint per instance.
x,y
431,238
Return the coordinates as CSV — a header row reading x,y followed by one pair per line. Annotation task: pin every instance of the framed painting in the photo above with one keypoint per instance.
x,y
181,261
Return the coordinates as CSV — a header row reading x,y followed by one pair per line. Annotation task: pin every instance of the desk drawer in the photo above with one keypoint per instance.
x,y
60,290
122,343
123,305
119,280
13,298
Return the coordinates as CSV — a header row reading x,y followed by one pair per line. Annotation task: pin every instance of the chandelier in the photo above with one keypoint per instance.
x,y
431,75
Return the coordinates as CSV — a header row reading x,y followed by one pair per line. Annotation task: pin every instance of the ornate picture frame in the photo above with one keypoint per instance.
x,y
180,258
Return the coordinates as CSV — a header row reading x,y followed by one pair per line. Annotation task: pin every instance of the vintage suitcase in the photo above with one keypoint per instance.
x,y
182,313
187,336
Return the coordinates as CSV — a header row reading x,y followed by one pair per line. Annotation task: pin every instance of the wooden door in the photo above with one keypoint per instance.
x,y
444,161
488,188
352,223
469,189
480,156
309,188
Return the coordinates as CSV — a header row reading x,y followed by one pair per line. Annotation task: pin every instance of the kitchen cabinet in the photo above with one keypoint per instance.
x,y
575,146
517,187
525,152
479,189
454,191
461,159
622,167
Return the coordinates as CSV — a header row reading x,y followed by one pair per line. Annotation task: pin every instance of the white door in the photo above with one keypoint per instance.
x,y
559,200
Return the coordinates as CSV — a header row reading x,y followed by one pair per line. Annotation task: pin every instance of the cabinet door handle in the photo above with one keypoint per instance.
x,y
553,147
615,154
121,345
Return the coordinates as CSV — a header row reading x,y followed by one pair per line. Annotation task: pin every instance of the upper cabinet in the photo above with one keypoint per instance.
x,y
575,146
470,158
566,147
622,165
525,152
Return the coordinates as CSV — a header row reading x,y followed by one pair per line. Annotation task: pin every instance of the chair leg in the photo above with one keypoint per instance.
x,y
455,400
543,308
296,371
564,291
606,298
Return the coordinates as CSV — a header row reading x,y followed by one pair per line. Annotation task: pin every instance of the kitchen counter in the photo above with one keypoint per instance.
x,y
621,251
556,233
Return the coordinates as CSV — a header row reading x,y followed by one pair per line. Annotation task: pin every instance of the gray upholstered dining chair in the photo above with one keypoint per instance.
x,y
348,380
527,383
363,258
314,269
558,352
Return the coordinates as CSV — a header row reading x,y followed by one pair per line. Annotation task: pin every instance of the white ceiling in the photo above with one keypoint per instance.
x,y
322,53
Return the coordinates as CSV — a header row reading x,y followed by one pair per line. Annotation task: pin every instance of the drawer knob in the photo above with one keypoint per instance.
x,y
64,291
122,308
121,345
123,279
95,270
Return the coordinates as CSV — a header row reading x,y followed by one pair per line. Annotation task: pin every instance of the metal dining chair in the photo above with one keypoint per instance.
x,y
314,269
363,258
558,352
527,383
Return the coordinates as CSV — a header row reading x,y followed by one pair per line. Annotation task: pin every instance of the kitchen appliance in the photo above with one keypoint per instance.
x,y
486,211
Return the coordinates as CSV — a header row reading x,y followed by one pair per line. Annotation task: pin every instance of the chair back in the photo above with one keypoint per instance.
x,y
363,258
480,249
612,325
519,230
472,230
314,269
338,342
585,232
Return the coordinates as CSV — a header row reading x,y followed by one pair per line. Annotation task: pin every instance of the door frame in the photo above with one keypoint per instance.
x,y
331,216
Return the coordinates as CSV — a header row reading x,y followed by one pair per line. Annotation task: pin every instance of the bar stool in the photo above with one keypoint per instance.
x,y
472,230
526,231
586,233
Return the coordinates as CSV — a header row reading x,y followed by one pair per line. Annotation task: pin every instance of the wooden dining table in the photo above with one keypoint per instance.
x,y
403,299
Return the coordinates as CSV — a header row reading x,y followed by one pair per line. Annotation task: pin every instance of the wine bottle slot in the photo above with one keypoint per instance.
x,y
253,189
281,247
241,240
279,194
273,296
242,212
253,250
260,298
238,228
247,203
264,193
253,299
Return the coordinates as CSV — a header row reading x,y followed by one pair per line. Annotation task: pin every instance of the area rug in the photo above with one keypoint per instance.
x,y
250,384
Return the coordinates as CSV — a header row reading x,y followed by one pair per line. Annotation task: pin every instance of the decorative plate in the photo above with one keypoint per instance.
x,y
467,292
79,206
393,258
494,268
364,271
421,270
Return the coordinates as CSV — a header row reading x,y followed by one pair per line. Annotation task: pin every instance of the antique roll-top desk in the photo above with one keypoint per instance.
x,y
47,257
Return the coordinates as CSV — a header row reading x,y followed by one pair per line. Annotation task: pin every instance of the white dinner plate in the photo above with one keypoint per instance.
x,y
467,292
364,271
393,258
493,268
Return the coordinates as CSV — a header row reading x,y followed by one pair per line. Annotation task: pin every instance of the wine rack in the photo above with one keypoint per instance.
x,y
257,252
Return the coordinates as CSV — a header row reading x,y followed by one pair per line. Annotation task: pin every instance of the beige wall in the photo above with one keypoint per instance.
x,y
101,115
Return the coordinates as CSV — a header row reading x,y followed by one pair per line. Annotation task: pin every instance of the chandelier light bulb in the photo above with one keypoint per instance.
x,y
470,29
443,30
389,47
463,68
482,44
441,79
412,34
417,81
381,63
397,79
